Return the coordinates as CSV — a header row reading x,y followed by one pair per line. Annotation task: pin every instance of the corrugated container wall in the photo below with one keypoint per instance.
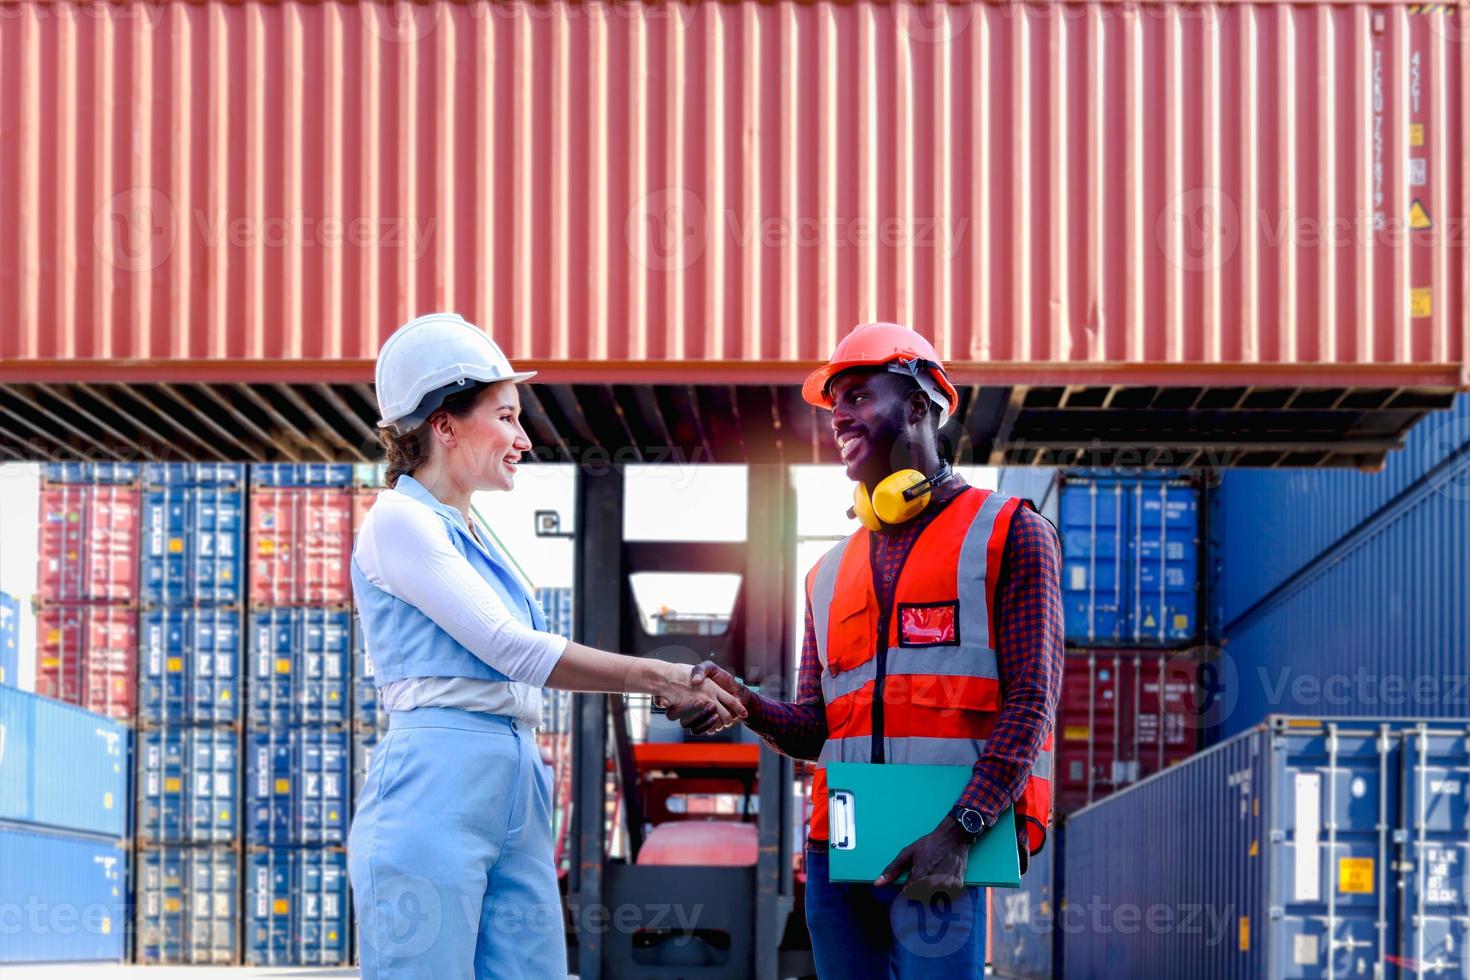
x,y
88,543
61,766
300,666
88,655
66,897
188,905
1043,188
1295,851
297,786
9,639
300,546
1375,621
193,545
189,666
1024,941
187,786
296,908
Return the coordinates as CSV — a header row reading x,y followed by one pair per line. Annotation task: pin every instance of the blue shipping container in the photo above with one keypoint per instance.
x,y
1377,625
187,781
1130,550
1024,941
556,603
370,474
62,766
300,666
118,473
1256,548
193,546
298,786
366,711
301,474
1298,850
189,666
193,474
9,639
296,907
62,898
188,905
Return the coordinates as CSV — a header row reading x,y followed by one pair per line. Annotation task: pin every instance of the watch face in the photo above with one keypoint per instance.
x,y
971,821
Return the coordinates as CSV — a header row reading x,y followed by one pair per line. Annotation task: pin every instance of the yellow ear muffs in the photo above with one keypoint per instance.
x,y
862,509
889,502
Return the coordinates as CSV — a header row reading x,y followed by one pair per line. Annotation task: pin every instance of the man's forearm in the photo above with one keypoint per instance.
x,y
794,729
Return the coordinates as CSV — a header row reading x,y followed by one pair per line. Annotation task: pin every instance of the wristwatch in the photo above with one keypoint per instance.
x,y
973,821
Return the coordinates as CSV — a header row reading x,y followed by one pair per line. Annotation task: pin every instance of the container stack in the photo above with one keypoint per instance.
x,y
555,733
9,639
1130,578
63,826
298,703
87,586
189,712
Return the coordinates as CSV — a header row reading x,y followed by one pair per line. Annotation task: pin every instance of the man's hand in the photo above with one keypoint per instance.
x,y
700,718
935,862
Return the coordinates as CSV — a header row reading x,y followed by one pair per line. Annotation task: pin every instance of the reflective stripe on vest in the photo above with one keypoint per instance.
x,y
922,752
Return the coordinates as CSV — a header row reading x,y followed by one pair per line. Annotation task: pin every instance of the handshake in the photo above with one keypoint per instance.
x,y
712,701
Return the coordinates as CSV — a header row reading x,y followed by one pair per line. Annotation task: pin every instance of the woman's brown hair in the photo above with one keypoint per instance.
x,y
406,453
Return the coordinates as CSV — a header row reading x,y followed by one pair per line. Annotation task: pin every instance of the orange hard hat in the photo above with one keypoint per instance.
x,y
876,344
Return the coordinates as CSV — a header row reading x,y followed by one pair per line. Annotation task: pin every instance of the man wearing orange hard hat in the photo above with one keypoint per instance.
x,y
933,637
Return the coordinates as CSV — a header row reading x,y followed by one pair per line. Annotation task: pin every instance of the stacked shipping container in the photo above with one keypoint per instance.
x,y
63,823
298,768
87,587
9,639
189,713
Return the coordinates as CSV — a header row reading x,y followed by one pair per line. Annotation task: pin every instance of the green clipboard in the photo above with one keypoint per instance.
x,y
875,811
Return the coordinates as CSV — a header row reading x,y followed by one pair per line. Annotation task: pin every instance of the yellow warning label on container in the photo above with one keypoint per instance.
x,y
173,784
176,546
106,925
50,662
1419,219
1421,301
175,664
107,801
1255,848
283,665
1416,134
1181,621
281,906
53,636
1245,933
267,547
1355,876
224,815
335,696
332,815
172,905
1148,621
224,695
283,785
1076,733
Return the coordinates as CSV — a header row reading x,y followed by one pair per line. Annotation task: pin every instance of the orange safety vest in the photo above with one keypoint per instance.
x,y
941,687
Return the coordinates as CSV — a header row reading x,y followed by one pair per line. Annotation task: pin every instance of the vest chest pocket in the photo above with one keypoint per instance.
x,y
929,624
852,633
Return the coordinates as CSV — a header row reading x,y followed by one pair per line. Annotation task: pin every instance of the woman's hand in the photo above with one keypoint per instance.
x,y
688,689
700,718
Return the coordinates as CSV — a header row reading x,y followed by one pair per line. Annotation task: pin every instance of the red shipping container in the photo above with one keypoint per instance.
x,y
1109,723
300,547
88,543
88,655
362,502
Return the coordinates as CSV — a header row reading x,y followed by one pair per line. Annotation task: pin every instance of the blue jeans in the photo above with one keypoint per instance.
x,y
450,853
859,931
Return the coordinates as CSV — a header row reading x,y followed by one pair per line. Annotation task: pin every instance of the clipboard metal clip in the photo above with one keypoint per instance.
x,y
841,824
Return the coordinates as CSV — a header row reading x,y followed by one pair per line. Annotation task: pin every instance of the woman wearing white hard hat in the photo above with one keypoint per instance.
x,y
450,853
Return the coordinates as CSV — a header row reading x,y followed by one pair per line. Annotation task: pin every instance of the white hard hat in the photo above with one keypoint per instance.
x,y
430,358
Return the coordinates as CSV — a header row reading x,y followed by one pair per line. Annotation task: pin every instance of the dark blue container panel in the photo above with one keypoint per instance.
x,y
66,898
1266,525
189,666
1024,939
366,709
194,474
298,786
301,474
1095,567
556,603
300,666
62,766
1267,855
188,907
187,781
1380,629
296,907
9,639
118,473
193,546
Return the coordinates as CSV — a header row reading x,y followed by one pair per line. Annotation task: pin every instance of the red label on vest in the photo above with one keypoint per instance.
x,y
926,625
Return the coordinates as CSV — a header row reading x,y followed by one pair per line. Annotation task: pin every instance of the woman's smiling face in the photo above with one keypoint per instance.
x,y
490,439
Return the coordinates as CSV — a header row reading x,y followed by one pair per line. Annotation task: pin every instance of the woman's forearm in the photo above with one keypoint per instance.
x,y
583,668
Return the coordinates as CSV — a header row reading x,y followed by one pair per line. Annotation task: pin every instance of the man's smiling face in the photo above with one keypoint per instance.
x,y
870,411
